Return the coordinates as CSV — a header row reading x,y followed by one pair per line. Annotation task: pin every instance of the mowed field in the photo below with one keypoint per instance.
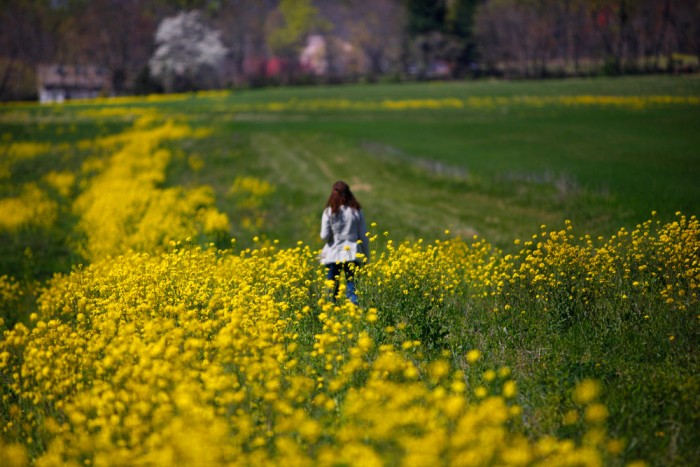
x,y
491,158
533,288
497,159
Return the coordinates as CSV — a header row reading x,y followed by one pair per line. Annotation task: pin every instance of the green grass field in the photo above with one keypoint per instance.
x,y
499,170
496,160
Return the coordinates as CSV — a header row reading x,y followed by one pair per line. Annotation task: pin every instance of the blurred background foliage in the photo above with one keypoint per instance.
x,y
270,42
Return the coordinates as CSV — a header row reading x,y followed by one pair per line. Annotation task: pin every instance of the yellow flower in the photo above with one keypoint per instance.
x,y
596,413
615,446
509,389
473,355
570,417
586,391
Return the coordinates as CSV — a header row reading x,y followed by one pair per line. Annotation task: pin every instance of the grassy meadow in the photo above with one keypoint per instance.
x,y
532,295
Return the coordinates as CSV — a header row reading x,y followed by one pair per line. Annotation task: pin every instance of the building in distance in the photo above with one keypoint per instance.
x,y
59,83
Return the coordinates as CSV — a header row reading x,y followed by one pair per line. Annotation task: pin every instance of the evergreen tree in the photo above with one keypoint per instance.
x,y
461,26
425,16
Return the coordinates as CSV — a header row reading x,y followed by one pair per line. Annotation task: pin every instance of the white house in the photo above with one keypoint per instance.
x,y
58,83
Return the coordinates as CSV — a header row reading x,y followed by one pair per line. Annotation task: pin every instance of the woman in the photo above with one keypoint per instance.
x,y
345,233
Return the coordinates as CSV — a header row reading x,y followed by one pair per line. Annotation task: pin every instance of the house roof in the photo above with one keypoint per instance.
x,y
73,76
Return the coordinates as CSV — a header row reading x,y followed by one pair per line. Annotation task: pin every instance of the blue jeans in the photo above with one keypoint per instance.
x,y
334,275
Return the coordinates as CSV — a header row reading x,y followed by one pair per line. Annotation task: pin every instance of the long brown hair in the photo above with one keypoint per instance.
x,y
341,196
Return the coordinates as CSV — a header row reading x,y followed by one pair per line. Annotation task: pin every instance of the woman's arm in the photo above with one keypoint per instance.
x,y
326,232
362,235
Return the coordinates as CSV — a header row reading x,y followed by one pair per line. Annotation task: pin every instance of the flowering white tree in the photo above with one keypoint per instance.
x,y
188,53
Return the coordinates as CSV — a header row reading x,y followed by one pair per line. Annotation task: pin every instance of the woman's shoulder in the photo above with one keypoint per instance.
x,y
352,211
343,211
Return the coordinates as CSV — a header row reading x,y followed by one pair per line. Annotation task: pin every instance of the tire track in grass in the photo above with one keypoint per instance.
x,y
310,163
301,167
406,199
288,161
395,194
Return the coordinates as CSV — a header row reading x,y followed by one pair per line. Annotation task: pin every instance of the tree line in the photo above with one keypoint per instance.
x,y
146,46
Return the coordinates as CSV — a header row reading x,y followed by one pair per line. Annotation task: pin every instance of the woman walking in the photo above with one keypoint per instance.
x,y
344,230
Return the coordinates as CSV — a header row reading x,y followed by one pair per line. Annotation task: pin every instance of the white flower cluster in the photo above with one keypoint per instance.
x,y
186,47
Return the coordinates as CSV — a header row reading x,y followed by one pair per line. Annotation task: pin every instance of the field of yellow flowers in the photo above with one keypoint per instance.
x,y
138,330
206,356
